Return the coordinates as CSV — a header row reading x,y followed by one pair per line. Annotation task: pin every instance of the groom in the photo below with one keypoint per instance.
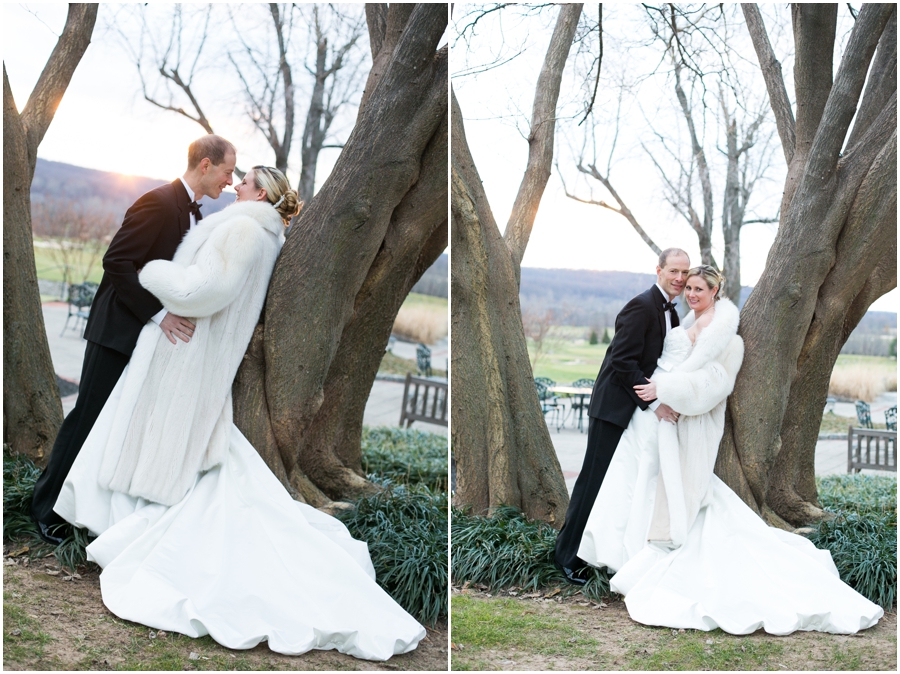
x,y
641,328
152,229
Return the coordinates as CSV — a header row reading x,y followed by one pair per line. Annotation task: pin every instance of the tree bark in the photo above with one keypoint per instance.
x,y
32,412
501,444
819,277
349,261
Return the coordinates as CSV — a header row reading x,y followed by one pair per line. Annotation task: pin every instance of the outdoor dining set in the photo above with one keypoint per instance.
x,y
565,403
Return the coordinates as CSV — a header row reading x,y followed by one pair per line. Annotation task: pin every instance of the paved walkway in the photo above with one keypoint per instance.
x,y
831,455
382,408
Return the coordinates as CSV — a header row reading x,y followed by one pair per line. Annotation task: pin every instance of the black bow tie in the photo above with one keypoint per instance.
x,y
669,306
195,209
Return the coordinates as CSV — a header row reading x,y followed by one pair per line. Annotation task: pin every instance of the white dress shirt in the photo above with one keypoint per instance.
x,y
668,314
161,314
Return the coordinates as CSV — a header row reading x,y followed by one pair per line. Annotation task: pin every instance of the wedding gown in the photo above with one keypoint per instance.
x,y
237,558
732,571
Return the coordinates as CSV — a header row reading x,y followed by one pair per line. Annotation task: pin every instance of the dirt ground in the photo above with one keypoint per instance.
x,y
56,621
549,632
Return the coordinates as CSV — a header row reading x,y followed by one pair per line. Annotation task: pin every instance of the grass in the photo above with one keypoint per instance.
x,y
526,634
863,377
422,318
506,623
834,424
392,364
49,266
23,638
405,455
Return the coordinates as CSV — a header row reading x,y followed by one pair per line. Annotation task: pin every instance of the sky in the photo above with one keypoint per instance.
x,y
496,103
103,121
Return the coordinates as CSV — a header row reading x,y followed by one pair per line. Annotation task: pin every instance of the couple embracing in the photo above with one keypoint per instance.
x,y
683,548
194,533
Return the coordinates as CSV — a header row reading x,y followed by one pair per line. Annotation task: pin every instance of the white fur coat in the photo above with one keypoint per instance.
x,y
175,415
696,388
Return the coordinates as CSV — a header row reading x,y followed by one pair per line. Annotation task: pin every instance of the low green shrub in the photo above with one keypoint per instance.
x,y
507,549
406,529
19,477
406,456
862,537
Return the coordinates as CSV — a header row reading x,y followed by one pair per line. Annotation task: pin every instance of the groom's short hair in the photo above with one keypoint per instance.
x,y
209,146
669,252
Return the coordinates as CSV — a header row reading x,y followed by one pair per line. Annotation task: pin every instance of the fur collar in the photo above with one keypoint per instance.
x,y
714,338
262,212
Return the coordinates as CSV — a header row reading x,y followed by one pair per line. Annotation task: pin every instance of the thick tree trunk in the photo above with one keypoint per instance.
x,y
827,264
501,444
350,259
32,412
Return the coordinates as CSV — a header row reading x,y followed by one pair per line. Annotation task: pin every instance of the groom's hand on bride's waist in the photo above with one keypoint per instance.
x,y
666,413
175,326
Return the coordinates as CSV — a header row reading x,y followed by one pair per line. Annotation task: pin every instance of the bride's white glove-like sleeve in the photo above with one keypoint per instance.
x,y
698,392
215,279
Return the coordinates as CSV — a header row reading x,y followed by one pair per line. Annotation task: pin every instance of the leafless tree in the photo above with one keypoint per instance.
x,y
835,252
501,444
349,261
32,412
537,325
76,236
323,41
687,174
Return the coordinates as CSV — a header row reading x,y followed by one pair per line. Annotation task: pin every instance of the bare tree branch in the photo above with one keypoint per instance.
x,y
57,73
771,70
541,138
599,63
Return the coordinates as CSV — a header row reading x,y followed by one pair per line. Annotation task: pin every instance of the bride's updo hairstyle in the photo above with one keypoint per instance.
x,y
278,191
711,276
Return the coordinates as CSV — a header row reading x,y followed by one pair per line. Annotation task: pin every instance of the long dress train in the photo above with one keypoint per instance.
x,y
722,566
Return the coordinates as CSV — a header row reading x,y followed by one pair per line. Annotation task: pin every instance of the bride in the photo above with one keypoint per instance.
x,y
687,552
194,533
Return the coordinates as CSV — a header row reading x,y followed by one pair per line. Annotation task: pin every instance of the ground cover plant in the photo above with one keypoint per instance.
x,y
405,455
862,537
406,529
508,549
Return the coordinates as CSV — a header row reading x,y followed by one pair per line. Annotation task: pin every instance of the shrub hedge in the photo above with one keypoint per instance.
x,y
862,537
508,549
406,529
405,455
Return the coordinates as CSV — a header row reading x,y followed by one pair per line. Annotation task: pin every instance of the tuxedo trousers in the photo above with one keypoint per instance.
x,y
603,438
100,371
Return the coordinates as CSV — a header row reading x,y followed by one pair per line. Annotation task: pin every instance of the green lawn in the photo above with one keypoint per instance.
x,y
49,266
567,356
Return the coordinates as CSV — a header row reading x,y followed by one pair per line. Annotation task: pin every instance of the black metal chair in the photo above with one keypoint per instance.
x,y
581,403
81,296
423,360
864,414
890,418
549,402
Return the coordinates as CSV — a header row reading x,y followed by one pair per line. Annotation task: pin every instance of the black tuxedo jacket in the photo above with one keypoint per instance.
x,y
631,357
152,229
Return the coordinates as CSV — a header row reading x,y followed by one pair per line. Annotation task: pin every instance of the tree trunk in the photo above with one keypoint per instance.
x,y
349,261
32,412
501,444
831,258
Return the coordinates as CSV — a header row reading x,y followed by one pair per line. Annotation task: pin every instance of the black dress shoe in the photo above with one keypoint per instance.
x,y
572,578
46,536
